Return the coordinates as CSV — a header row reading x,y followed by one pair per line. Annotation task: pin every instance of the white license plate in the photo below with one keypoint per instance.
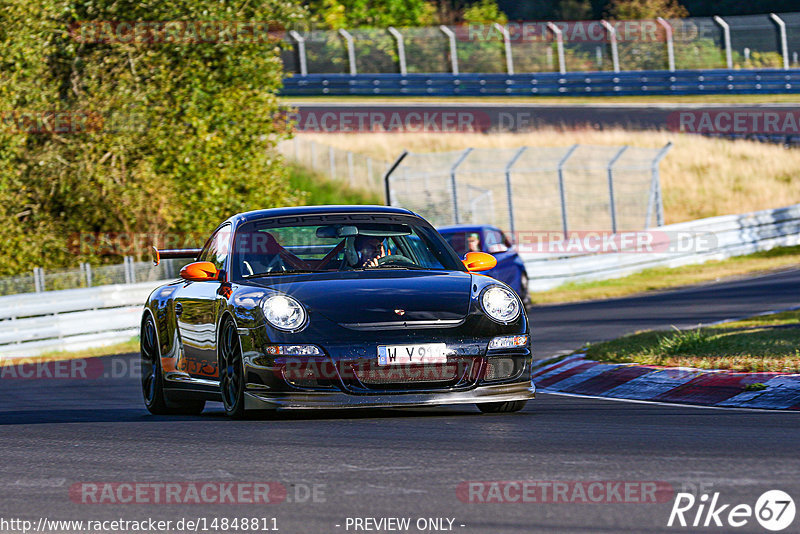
x,y
405,354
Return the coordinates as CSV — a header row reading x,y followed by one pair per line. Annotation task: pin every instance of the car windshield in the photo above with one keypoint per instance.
x,y
463,241
268,248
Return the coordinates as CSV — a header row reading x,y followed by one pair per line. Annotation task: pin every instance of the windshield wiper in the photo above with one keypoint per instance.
x,y
278,273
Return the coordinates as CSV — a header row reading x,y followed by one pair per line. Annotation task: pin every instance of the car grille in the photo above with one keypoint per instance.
x,y
409,377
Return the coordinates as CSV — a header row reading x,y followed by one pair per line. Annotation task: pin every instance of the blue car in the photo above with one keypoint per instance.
x,y
484,238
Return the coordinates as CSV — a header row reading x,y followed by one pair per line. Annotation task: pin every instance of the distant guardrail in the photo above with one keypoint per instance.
x,y
654,82
714,238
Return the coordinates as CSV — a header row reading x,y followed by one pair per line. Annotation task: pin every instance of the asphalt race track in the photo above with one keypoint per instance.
x,y
56,433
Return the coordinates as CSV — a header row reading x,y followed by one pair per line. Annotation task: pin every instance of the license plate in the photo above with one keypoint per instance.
x,y
405,354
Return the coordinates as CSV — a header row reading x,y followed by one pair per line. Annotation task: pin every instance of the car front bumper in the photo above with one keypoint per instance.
x,y
519,391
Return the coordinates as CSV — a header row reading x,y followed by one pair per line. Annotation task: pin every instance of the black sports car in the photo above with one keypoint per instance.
x,y
332,307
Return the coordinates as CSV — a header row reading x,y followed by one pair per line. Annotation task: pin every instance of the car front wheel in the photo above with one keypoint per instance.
x,y
231,371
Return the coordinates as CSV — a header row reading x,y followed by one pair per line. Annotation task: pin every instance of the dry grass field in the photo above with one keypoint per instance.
x,y
700,177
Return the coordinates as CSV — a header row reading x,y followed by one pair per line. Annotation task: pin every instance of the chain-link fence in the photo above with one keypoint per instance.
x,y
356,170
750,41
577,188
127,272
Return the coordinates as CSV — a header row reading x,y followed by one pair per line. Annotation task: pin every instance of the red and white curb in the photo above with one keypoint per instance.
x,y
579,376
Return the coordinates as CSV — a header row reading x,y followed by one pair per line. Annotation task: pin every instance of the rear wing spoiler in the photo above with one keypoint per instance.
x,y
166,254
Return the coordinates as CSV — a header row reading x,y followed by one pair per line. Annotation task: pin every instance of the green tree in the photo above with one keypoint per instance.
x,y
180,136
335,14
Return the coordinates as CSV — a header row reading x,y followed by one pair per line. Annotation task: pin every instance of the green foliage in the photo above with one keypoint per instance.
x,y
645,9
335,14
486,12
193,126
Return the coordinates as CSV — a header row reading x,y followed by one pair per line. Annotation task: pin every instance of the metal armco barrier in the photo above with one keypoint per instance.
x,y
715,238
71,319
656,82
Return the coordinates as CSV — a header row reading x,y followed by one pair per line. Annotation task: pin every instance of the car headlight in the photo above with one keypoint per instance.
x,y
284,312
500,304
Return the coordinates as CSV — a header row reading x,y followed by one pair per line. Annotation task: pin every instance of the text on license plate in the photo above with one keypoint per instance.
x,y
403,354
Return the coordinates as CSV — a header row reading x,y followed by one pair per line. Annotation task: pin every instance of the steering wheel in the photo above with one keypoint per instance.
x,y
395,258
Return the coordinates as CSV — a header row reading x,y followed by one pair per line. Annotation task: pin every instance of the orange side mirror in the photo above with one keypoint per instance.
x,y
479,261
200,271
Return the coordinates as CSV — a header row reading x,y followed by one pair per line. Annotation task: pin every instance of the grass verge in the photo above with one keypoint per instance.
x,y
758,344
318,190
126,347
661,278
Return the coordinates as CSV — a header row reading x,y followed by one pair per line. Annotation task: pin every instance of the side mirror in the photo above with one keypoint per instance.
x,y
479,261
200,271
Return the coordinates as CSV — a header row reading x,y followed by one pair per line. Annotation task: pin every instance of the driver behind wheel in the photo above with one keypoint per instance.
x,y
370,249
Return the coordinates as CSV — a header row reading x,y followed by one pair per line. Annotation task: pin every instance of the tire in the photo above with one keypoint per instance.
x,y
524,293
502,407
155,399
231,370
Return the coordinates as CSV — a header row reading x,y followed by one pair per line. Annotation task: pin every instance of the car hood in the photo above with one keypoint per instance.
x,y
380,298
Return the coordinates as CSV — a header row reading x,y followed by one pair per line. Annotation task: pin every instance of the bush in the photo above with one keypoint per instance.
x,y
179,136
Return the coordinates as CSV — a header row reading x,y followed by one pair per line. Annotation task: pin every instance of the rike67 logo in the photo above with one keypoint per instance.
x,y
774,510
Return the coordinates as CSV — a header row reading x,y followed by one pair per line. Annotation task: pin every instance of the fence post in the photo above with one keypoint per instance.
x,y
350,171
401,49
388,174
562,193
612,203
507,45
453,50
313,155
301,51
670,42
782,32
38,285
351,50
88,273
454,184
562,65
126,270
726,36
655,201
612,34
509,193
332,162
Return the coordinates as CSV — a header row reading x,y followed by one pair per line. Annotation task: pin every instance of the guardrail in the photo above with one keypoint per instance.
x,y
71,319
714,238
653,82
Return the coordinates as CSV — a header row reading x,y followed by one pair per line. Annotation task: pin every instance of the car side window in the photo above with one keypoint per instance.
x,y
218,247
495,242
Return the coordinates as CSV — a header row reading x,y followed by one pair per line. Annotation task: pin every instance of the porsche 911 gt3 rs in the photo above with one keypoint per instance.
x,y
332,307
